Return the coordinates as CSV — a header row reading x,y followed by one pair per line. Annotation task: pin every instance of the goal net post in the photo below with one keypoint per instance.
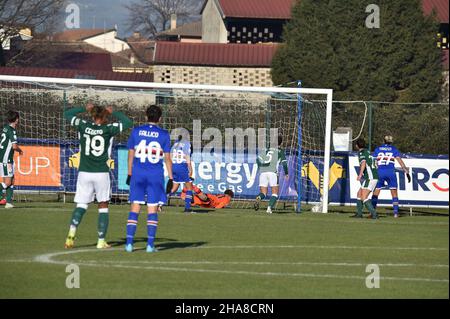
x,y
228,126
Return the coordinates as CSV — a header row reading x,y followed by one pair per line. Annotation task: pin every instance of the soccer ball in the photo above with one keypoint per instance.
x,y
316,209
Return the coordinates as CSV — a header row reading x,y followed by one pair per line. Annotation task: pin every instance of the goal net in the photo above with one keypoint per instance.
x,y
227,126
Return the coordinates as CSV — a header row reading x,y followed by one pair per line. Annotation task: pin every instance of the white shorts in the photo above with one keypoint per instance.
x,y
93,184
370,184
267,179
7,170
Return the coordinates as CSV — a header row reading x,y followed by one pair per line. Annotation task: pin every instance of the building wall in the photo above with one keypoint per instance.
x,y
108,42
237,76
213,27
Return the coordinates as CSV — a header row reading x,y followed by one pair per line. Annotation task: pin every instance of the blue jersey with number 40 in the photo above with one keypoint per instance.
x,y
385,156
149,142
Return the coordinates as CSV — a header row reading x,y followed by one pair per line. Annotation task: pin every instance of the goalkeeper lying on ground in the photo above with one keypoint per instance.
x,y
209,200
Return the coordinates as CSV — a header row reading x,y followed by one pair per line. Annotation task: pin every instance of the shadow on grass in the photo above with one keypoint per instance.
x,y
161,243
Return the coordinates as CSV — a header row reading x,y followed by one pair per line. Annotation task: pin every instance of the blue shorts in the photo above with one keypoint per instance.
x,y
180,173
387,177
148,189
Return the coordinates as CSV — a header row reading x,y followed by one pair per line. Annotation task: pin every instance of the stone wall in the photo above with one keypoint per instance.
x,y
213,75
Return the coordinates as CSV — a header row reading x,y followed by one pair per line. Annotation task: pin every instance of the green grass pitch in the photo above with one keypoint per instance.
x,y
227,253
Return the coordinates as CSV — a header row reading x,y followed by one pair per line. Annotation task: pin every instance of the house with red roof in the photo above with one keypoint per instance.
x,y
101,38
213,63
440,9
250,21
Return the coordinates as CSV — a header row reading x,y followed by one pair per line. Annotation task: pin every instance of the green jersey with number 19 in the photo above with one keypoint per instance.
x,y
8,137
96,140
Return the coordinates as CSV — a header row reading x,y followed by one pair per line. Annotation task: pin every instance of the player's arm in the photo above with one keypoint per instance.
x,y
189,165
124,121
404,168
17,149
71,114
168,162
362,167
131,153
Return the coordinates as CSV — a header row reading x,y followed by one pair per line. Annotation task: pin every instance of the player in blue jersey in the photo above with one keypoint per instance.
x,y
385,156
182,170
148,148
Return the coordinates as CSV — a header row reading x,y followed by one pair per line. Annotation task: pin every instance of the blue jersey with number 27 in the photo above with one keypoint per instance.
x,y
385,156
149,142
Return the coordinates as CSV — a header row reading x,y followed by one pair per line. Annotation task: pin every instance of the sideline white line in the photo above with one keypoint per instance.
x,y
48,258
318,247
207,262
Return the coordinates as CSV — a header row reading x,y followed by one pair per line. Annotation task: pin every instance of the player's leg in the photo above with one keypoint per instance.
x,y
8,184
368,187
188,198
83,196
174,188
4,186
137,198
359,204
393,185
155,195
102,186
273,183
263,188
181,175
375,195
394,194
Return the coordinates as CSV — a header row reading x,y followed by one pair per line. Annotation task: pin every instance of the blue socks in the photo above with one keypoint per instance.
x,y
131,227
395,204
187,200
152,225
374,201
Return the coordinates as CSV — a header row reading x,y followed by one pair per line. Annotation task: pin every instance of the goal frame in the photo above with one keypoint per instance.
x,y
253,89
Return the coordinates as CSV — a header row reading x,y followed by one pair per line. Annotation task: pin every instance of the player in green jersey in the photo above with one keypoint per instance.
x,y
368,176
268,162
96,139
8,145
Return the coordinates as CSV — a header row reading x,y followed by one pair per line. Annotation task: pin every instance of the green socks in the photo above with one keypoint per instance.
x,y
359,207
369,206
9,194
261,196
103,221
77,216
273,200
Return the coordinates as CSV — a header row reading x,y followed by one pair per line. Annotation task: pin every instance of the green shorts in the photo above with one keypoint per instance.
x,y
6,170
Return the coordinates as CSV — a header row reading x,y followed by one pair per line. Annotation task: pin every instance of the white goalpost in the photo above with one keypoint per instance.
x,y
245,119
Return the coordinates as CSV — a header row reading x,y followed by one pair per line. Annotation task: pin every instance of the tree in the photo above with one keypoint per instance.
x,y
37,15
327,44
153,16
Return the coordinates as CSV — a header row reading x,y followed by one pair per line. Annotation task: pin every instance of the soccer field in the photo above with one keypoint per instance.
x,y
224,254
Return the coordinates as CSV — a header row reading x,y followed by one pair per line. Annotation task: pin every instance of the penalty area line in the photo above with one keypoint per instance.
x,y
49,259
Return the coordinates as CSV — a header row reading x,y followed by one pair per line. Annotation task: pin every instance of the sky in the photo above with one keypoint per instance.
x,y
102,14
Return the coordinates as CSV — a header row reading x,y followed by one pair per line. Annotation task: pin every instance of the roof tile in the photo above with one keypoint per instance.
x,y
217,54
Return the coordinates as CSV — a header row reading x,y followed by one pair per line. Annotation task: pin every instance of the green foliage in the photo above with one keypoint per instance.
x,y
327,44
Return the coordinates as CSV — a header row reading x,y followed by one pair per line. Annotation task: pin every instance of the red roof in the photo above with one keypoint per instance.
x,y
267,9
84,61
79,34
441,7
77,74
214,54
